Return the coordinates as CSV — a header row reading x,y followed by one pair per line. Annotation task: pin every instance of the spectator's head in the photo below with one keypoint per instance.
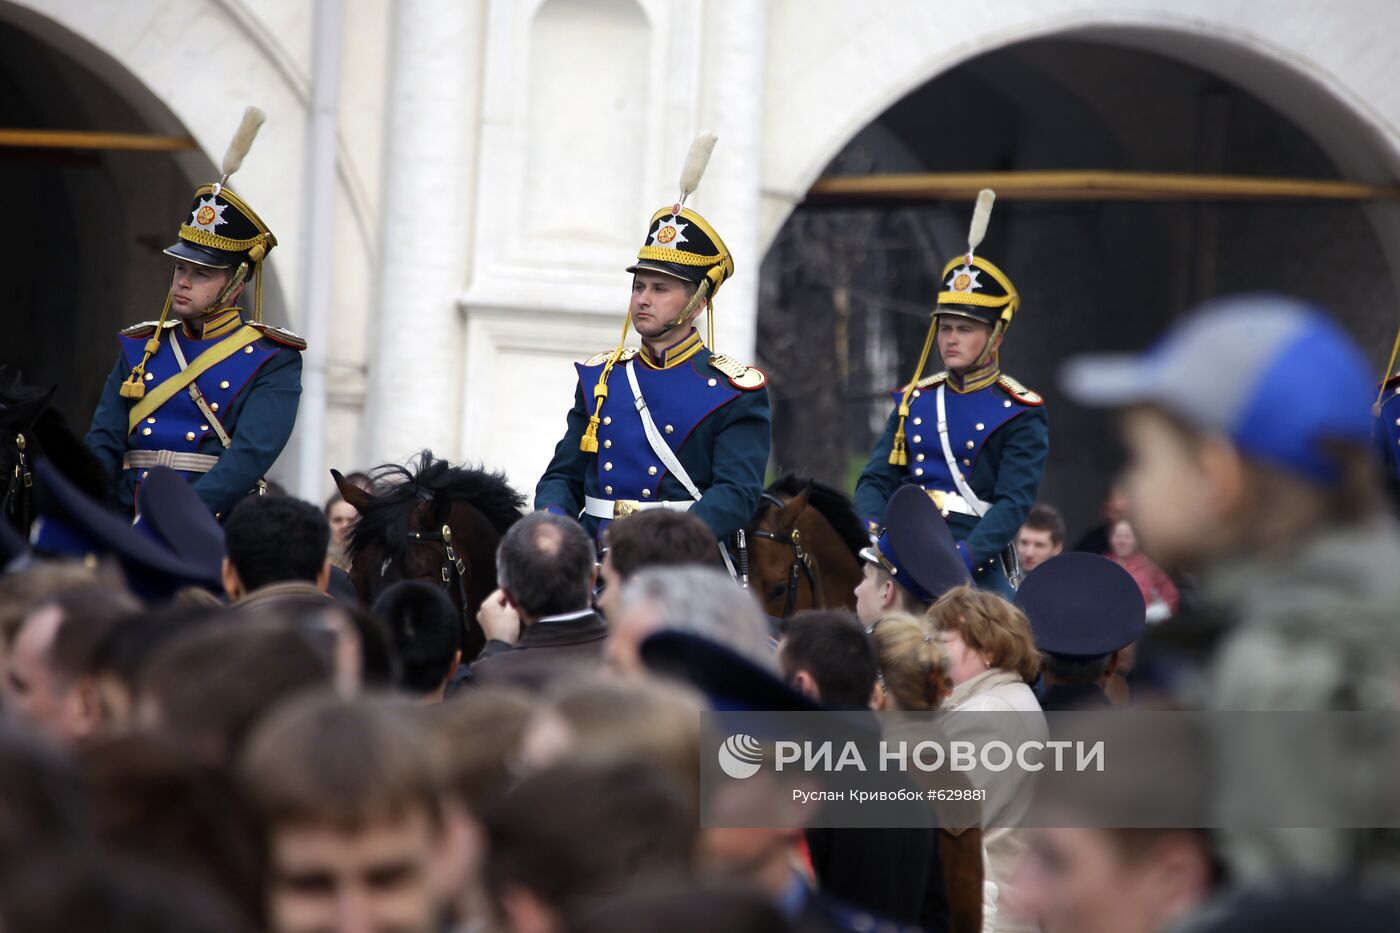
x,y
913,664
550,857
601,718
52,664
155,802
547,566
878,595
274,539
345,792
1042,536
20,590
339,515
1122,540
43,803
827,655
208,687
982,631
655,538
1117,880
426,628
125,649
689,599
1230,451
476,740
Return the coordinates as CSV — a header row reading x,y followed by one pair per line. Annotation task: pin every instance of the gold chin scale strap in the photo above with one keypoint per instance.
x,y
899,451
135,387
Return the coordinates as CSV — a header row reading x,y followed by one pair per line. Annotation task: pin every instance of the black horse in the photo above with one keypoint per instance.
x,y
30,430
431,521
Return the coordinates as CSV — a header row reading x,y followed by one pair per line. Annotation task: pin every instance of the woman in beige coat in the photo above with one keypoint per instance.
x,y
992,660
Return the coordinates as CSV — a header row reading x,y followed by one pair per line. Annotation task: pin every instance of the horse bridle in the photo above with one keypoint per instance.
x,y
453,570
802,563
21,480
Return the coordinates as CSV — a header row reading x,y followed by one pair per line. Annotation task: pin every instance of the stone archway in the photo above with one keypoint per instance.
x,y
1094,276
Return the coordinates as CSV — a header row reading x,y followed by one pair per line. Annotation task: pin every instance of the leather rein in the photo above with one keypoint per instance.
x,y
802,563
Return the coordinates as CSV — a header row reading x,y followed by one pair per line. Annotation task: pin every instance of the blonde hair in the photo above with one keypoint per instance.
x,y
913,664
990,626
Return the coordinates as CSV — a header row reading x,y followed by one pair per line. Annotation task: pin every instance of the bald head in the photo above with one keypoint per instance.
x,y
546,565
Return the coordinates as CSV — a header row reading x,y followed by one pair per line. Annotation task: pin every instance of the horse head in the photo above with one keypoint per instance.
x,y
803,544
436,523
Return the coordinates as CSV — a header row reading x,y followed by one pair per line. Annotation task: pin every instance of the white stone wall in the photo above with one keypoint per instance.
x,y
539,139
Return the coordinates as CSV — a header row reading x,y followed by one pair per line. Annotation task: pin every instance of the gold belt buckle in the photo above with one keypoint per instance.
x,y
624,507
938,498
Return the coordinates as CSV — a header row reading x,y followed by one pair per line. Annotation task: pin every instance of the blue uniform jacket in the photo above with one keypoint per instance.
x,y
1000,437
256,391
721,434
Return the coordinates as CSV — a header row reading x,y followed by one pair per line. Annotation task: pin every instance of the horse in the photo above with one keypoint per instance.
x,y
31,430
804,544
431,521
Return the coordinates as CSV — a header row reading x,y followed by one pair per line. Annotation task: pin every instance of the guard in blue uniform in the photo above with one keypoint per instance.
x,y
203,390
672,424
972,437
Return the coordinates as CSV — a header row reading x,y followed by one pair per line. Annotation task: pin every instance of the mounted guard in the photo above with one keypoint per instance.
x,y
671,425
972,437
203,390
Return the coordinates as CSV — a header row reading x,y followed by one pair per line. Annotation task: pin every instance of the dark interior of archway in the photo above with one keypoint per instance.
x,y
82,232
845,294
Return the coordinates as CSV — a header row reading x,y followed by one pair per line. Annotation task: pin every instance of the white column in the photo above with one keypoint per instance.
x,y
416,354
318,220
733,107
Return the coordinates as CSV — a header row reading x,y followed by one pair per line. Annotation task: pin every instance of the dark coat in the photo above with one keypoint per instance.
x,y
545,651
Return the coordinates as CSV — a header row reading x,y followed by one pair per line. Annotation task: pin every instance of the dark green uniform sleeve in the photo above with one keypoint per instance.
x,y
106,437
739,460
880,478
560,489
1025,446
262,430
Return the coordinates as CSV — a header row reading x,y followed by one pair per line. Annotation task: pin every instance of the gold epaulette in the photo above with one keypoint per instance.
x,y
599,359
279,335
1019,392
931,381
145,328
740,376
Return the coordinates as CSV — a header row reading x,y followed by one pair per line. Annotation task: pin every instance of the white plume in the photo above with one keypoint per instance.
x,y
981,214
242,141
695,162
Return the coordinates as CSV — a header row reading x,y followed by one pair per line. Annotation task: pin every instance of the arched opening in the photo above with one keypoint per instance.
x,y
846,293
84,229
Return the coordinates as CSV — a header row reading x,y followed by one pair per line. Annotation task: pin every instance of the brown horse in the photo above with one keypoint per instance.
x,y
435,522
804,548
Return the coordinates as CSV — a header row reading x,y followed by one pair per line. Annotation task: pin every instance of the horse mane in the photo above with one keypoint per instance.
x,y
831,503
398,487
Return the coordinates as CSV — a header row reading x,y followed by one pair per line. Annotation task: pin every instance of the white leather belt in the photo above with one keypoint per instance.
x,y
176,460
951,502
617,508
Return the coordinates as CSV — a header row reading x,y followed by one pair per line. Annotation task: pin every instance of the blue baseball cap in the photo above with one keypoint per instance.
x,y
1274,374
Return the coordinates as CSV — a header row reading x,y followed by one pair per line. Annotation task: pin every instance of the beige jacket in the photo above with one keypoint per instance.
x,y
1000,691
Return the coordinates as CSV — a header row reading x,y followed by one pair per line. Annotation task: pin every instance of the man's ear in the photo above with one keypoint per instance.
x,y
232,585
510,599
1112,667
1224,473
805,684
888,594
323,579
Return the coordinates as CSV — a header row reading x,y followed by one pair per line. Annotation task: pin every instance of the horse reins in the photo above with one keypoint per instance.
x,y
454,569
802,562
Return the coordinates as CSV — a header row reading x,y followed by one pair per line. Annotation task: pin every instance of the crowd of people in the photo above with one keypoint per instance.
x,y
276,758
